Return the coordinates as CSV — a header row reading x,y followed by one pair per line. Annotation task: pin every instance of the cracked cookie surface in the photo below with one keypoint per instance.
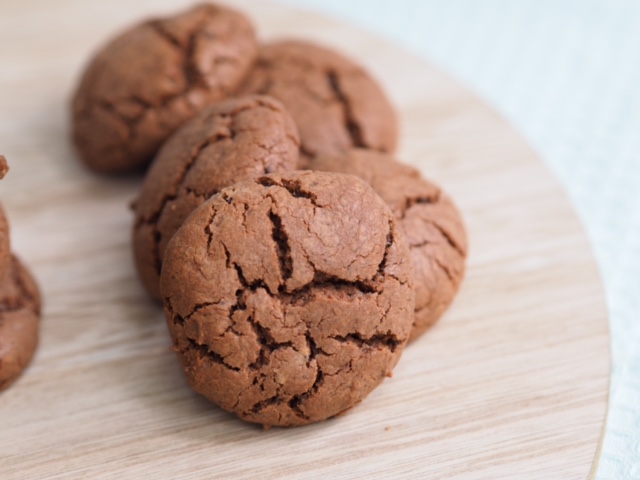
x,y
290,297
19,321
152,78
236,139
432,225
336,104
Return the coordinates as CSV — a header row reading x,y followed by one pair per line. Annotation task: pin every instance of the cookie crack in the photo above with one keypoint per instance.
x,y
201,197
313,348
166,301
239,305
209,233
282,242
129,122
246,285
350,122
253,286
421,244
431,200
261,405
294,187
295,403
192,74
387,247
419,200
445,269
183,174
380,340
199,306
321,279
156,26
448,238
268,344
203,351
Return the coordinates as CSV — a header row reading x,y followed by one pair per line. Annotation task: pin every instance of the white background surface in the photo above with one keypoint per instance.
x,y
566,74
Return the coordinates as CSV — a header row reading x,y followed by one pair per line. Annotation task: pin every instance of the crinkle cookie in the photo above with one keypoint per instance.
x,y
336,104
237,139
429,219
150,79
19,321
289,297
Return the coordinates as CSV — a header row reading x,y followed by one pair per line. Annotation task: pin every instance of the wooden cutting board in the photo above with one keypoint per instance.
x,y
512,383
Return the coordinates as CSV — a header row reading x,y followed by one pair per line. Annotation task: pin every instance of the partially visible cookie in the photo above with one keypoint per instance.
x,y
429,219
289,297
336,104
237,139
4,166
5,244
150,79
19,321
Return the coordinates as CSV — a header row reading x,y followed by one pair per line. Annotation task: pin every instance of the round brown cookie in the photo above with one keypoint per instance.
x,y
152,78
237,139
432,225
19,321
289,297
336,104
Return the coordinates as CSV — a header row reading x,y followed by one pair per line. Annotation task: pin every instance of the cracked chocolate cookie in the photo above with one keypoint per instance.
x,y
289,297
237,139
5,244
152,78
336,104
429,219
19,321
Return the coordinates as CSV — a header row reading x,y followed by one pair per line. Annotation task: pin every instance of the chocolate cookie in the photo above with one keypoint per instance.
x,y
427,216
336,104
152,78
234,140
19,321
289,298
4,166
5,245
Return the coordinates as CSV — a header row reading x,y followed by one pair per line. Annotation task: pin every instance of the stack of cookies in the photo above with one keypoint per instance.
x,y
294,256
19,307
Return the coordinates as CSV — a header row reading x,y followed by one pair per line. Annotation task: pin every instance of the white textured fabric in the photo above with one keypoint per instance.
x,y
566,73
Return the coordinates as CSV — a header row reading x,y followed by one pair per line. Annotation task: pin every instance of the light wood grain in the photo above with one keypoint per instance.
x,y
512,383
